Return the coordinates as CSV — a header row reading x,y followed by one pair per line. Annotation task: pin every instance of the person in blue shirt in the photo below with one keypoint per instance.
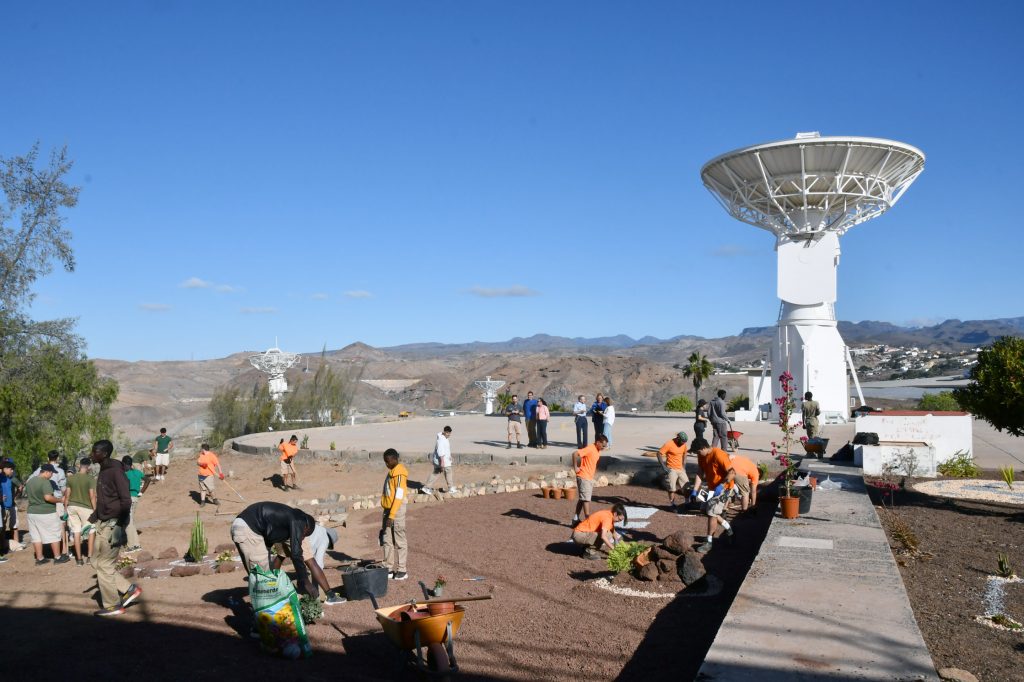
x,y
10,486
597,414
530,413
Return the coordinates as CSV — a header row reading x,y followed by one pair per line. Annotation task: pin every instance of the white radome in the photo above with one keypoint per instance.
x,y
808,192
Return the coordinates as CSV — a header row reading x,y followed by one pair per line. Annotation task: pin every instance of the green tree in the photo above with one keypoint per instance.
x,y
996,391
232,414
325,399
51,396
740,402
938,402
697,369
680,403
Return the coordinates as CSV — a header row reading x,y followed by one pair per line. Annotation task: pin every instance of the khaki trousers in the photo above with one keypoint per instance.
x,y
112,583
133,534
396,547
449,479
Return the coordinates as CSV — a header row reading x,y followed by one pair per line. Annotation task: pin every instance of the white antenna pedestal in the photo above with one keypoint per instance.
x,y
490,392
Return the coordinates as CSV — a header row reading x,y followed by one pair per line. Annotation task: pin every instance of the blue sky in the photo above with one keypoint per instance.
x,y
327,172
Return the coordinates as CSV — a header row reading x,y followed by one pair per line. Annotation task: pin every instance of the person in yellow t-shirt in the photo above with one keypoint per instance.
x,y
209,472
392,529
288,451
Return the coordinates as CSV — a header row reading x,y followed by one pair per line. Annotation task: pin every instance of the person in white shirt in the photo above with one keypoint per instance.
x,y
442,460
609,420
579,411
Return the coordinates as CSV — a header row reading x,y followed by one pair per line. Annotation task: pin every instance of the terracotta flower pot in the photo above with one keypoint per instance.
x,y
556,493
643,558
790,507
569,493
438,609
546,492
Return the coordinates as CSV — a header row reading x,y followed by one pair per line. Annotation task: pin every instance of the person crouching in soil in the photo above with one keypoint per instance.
x,y
714,507
747,478
598,530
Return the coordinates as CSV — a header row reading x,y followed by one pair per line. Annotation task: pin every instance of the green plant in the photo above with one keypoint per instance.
x,y
960,465
620,558
762,471
224,557
680,403
1006,622
902,532
440,581
996,391
311,608
558,407
304,443
197,545
124,561
938,402
1005,569
697,369
740,402
1007,474
332,445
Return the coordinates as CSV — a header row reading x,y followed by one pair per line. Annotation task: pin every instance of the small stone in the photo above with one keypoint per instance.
x,y
601,482
333,497
226,567
143,556
481,491
647,572
516,479
338,518
957,675
147,573
169,553
314,502
530,485
561,474
666,565
679,542
672,577
620,479
690,568
127,571
185,571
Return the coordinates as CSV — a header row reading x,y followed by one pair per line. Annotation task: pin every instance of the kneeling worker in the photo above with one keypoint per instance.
x,y
747,478
599,529
267,528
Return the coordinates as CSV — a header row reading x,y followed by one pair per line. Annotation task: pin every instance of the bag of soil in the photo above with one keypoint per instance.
x,y
278,614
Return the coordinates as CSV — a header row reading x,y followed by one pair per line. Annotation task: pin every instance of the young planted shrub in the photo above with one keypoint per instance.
x,y
961,465
197,545
621,557
1007,474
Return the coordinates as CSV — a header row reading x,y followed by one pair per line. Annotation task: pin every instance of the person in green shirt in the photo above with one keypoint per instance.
x,y
163,446
43,523
137,485
80,500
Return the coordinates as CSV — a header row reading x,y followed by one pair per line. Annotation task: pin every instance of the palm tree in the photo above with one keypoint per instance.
x,y
697,369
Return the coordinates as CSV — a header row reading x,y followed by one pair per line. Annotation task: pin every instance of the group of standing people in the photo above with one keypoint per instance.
x,y
537,415
602,414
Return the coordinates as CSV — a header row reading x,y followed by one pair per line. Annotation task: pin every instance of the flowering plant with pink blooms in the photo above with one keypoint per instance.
x,y
786,405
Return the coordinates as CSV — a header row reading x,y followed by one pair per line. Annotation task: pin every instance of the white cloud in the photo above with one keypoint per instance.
x,y
228,289
358,293
516,291
730,251
319,296
195,283
258,311
154,307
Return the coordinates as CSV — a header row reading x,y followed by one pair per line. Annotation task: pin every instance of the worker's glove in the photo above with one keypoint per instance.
x,y
222,477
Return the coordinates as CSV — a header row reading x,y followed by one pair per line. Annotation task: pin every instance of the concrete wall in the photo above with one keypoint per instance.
x,y
935,436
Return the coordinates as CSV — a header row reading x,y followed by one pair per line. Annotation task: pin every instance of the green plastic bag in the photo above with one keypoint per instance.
x,y
278,614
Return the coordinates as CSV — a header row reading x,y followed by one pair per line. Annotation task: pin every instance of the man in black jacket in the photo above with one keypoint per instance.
x,y
111,517
267,528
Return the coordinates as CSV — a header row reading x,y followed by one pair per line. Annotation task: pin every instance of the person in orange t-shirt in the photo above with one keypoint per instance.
x,y
585,462
672,456
599,529
209,471
288,452
747,478
719,479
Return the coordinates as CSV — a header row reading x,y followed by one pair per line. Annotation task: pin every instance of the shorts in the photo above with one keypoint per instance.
x,y
163,459
742,485
515,428
283,549
251,546
677,479
581,537
286,468
715,506
78,520
44,528
586,488
209,483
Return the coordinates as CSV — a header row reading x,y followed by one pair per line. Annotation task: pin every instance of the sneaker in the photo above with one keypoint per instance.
x,y
17,546
509,446
3,560
427,491
705,548
254,633
334,598
80,562
133,593
590,554
40,562
519,445
400,575
62,559
112,611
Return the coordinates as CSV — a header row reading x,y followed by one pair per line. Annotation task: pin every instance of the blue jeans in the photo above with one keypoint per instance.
x,y
608,432
581,432
542,432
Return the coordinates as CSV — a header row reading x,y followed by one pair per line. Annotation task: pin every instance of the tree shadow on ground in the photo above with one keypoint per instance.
x,y
530,516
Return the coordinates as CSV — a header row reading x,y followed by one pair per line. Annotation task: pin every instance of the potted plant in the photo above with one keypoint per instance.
x,y
439,583
790,503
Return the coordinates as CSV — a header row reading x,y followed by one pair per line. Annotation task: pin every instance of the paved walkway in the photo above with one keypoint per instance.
x,y
824,600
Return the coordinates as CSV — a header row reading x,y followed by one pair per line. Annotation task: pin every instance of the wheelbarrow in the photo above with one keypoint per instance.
x,y
816,447
734,439
424,631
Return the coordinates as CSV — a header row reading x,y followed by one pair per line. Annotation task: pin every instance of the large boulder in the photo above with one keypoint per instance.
x,y
661,552
690,568
169,553
678,542
142,556
666,566
185,571
647,572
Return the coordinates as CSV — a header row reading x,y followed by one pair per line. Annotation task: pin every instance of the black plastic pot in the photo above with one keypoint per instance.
x,y
805,499
361,582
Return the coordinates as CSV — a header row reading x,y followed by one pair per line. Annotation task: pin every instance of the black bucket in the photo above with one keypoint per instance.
x,y
805,499
361,582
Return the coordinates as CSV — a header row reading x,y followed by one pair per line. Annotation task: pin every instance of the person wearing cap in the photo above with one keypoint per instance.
x,y
672,456
11,486
80,501
111,517
442,461
137,485
43,523
209,472
59,482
